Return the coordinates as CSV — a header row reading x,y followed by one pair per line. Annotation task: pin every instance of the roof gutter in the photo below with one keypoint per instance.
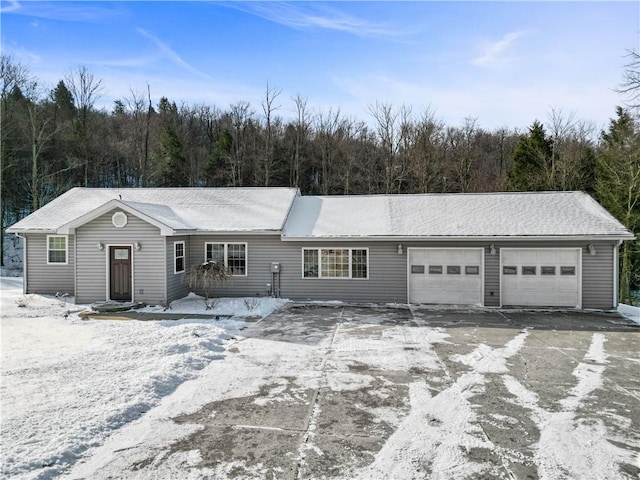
x,y
374,238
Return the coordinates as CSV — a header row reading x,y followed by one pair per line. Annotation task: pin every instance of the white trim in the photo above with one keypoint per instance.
x,y
119,219
226,254
166,272
578,267
66,250
107,250
320,276
484,238
616,273
70,227
175,257
482,269
25,276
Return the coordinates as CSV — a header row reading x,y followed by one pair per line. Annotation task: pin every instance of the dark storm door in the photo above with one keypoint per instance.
x,y
120,273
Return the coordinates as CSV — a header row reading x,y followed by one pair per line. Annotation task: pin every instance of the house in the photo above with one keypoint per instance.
x,y
552,249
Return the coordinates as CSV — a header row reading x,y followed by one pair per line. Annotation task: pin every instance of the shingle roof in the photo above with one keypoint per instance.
x,y
199,209
545,214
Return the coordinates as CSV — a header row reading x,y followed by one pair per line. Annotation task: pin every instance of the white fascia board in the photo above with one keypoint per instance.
x,y
234,232
583,238
21,231
69,228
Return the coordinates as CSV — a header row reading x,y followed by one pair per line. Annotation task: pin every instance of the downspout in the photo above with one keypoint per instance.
x,y
616,272
24,263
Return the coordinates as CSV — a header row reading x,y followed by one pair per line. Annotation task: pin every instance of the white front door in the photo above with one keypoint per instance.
x,y
446,275
541,277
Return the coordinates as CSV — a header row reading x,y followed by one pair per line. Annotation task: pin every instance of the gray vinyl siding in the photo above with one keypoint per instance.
x,y
176,285
387,280
48,279
147,264
261,251
597,277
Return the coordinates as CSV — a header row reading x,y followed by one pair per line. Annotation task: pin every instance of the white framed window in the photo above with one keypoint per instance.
x,y
178,257
57,250
233,255
335,263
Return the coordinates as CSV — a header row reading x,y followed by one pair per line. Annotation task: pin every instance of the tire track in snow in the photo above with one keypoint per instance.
x,y
569,448
432,441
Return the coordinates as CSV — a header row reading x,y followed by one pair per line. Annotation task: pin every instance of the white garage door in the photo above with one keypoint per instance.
x,y
542,277
446,276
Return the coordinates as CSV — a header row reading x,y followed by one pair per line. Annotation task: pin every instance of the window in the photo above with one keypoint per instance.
x,y
417,268
547,270
509,270
335,263
567,270
529,270
453,269
472,270
178,257
57,249
232,255
435,269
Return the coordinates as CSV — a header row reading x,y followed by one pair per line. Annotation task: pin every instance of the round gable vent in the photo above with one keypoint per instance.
x,y
119,219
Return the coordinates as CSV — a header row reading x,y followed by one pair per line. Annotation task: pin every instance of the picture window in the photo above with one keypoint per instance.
x,y
335,263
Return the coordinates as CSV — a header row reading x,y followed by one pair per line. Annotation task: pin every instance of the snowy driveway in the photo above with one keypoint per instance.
x,y
345,392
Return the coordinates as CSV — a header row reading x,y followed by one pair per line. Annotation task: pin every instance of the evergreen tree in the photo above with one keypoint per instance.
x,y
173,166
531,161
618,189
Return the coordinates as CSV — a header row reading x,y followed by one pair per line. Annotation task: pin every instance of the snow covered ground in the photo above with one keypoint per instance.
x,y
313,392
68,383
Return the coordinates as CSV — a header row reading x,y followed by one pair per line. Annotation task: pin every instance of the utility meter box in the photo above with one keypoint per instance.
x,y
275,267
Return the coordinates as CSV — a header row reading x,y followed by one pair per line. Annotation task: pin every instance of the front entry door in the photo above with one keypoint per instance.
x,y
120,273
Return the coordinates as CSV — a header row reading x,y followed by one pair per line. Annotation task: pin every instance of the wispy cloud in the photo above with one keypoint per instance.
x,y
9,6
307,15
171,54
498,52
66,11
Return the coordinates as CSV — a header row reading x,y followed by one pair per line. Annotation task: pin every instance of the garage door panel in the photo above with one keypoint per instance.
x,y
444,287
551,289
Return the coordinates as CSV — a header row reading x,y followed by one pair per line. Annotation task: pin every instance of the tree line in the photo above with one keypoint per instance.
x,y
53,139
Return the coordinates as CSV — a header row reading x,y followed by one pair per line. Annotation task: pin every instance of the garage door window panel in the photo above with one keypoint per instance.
x,y
509,270
548,270
529,270
472,270
435,269
453,269
568,271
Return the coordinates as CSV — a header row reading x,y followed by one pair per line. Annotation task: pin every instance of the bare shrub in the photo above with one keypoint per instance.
x,y
251,303
203,278
23,301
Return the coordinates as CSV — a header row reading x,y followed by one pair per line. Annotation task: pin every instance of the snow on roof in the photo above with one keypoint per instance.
x,y
548,214
200,209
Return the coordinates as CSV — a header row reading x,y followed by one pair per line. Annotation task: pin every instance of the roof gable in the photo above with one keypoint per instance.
x,y
173,210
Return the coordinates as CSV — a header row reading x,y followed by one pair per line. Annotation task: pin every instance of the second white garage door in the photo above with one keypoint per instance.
x,y
445,275
541,277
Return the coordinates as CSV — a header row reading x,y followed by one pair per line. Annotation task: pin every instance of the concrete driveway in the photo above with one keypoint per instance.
x,y
349,392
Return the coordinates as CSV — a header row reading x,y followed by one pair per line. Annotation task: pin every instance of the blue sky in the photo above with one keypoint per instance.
x,y
505,63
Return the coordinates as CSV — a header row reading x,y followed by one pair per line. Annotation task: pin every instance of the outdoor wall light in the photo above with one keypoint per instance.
x,y
137,246
100,246
492,249
592,249
399,249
